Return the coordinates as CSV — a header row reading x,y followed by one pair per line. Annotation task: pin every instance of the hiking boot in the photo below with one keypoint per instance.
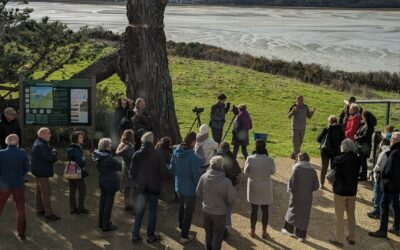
x,y
136,239
52,217
264,234
110,228
336,243
378,234
351,242
373,215
186,240
40,213
74,211
153,238
83,211
22,237
252,233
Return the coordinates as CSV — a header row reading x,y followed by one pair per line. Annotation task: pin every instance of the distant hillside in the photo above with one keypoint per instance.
x,y
287,3
304,3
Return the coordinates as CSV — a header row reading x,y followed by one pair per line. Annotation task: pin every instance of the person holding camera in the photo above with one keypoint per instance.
x,y
217,117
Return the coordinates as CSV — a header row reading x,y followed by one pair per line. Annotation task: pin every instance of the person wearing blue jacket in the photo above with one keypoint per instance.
x,y
42,160
14,164
185,167
75,153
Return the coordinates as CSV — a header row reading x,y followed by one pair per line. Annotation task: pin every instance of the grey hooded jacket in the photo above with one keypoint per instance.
x,y
216,192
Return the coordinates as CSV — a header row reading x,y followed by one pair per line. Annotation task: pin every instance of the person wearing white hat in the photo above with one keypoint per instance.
x,y
205,147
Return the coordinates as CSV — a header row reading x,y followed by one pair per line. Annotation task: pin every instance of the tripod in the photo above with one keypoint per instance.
x,y
230,125
194,122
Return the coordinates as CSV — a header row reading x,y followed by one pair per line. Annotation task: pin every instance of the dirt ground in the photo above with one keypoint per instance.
x,y
81,232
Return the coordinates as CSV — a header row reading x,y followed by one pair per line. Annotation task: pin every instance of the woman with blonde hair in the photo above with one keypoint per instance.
x,y
126,150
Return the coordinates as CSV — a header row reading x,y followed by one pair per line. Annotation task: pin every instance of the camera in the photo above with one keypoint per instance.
x,y
197,110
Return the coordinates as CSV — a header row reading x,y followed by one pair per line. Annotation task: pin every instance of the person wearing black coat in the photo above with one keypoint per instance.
x,y
141,121
391,189
148,164
232,172
330,140
121,109
126,122
168,185
363,140
75,153
42,160
9,125
347,167
108,181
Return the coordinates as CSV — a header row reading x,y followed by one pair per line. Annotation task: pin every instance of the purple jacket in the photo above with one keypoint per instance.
x,y
241,130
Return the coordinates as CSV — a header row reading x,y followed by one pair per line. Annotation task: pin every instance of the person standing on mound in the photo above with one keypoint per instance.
x,y
299,112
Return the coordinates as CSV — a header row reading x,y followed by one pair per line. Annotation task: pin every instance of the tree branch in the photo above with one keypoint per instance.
x,y
102,69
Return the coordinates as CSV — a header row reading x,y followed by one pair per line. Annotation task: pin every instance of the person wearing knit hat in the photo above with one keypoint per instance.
x,y
205,147
217,194
217,117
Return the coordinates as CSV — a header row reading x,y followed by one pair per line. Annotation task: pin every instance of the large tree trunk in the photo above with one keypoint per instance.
x,y
143,64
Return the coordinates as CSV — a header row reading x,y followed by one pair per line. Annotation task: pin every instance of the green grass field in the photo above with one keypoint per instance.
x,y
268,98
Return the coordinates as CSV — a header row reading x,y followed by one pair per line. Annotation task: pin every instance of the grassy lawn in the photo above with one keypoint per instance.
x,y
268,98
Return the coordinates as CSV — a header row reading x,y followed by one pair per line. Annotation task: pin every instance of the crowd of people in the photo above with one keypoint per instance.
x,y
203,168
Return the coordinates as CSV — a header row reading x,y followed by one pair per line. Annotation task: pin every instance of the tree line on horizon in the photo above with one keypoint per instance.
x,y
304,3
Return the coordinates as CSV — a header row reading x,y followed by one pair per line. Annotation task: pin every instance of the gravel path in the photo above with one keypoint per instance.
x,y
81,232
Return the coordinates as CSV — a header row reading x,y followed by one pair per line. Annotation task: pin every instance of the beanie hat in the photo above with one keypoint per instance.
x,y
203,129
147,137
217,162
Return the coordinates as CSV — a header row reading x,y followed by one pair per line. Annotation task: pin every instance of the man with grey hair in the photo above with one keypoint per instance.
x,y
42,160
347,168
9,125
217,194
148,164
390,177
14,164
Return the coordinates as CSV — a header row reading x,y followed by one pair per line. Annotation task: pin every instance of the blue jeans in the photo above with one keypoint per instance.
x,y
385,203
141,202
228,221
377,196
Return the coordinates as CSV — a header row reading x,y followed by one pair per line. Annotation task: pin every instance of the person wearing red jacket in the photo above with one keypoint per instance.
x,y
354,121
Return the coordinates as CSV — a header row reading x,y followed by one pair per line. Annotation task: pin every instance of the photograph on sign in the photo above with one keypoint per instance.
x,y
79,106
41,97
